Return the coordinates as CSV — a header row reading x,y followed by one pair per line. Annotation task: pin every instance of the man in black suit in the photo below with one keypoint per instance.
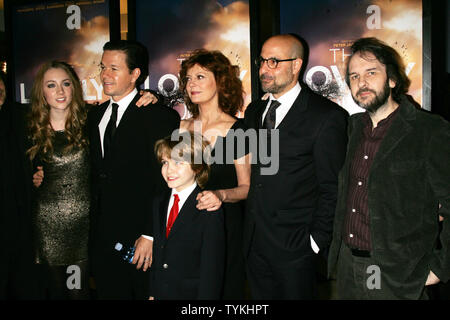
x,y
289,216
125,171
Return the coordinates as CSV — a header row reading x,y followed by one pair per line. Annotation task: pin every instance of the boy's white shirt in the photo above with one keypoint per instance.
x,y
182,195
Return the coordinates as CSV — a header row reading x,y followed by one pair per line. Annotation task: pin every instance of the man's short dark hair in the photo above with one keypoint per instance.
x,y
136,56
395,69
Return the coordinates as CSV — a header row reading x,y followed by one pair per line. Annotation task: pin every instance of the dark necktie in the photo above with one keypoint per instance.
x,y
172,215
109,132
269,120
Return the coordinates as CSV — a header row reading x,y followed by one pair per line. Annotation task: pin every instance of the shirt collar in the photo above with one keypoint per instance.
x,y
184,194
289,97
125,101
383,122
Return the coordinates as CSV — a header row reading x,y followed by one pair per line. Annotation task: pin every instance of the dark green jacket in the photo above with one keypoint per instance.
x,y
409,177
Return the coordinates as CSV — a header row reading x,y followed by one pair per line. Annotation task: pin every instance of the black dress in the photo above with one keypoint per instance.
x,y
223,176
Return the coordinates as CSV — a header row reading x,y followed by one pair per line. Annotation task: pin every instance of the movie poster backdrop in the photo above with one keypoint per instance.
x,y
330,27
71,31
171,30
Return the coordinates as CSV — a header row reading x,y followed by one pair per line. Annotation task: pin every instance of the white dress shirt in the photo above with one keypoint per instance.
x,y
182,195
123,105
286,101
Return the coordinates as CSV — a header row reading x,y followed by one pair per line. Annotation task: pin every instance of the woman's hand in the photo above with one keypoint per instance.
x,y
146,98
38,176
209,200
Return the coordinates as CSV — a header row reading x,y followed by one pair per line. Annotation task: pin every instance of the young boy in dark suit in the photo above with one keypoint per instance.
x,y
189,244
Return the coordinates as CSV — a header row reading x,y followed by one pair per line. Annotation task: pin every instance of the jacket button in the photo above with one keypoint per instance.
x,y
165,266
259,185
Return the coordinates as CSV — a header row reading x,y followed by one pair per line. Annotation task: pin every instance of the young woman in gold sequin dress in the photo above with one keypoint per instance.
x,y
61,203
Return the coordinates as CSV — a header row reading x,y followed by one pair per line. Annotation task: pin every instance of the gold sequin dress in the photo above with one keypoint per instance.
x,y
61,209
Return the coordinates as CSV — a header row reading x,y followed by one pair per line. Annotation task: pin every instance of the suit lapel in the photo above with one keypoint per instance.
x,y
125,122
300,105
259,112
187,212
127,118
163,215
399,129
95,139
355,135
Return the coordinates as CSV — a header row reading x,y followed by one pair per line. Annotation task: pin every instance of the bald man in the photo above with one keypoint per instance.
x,y
289,218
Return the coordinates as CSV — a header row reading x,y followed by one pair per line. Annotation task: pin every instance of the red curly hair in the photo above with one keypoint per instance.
x,y
229,86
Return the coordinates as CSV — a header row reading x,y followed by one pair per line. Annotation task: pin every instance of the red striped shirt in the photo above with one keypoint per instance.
x,y
356,233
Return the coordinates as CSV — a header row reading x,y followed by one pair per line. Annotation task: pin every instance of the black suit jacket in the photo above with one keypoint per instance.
x,y
189,264
17,177
124,186
299,200
16,196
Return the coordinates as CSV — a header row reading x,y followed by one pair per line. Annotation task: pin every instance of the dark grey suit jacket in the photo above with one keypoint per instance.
x,y
409,176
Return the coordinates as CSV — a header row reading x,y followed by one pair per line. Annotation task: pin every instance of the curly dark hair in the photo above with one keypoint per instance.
x,y
229,86
395,68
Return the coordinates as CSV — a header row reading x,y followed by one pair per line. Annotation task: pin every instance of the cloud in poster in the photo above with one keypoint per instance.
x,y
52,40
231,35
406,21
172,27
88,48
87,51
402,29
177,30
330,27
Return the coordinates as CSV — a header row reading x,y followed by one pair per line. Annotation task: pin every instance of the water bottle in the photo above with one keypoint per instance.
x,y
127,253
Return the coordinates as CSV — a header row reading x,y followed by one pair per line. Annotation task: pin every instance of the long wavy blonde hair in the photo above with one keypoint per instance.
x,y
40,129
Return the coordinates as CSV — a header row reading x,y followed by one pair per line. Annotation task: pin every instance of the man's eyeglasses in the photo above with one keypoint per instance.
x,y
272,63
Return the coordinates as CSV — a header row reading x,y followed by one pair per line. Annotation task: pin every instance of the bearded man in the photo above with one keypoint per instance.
x,y
394,186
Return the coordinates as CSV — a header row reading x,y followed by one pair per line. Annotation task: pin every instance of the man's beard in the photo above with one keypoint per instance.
x,y
378,101
275,88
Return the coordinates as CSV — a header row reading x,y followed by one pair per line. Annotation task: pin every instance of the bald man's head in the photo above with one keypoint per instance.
x,y
288,52
290,42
